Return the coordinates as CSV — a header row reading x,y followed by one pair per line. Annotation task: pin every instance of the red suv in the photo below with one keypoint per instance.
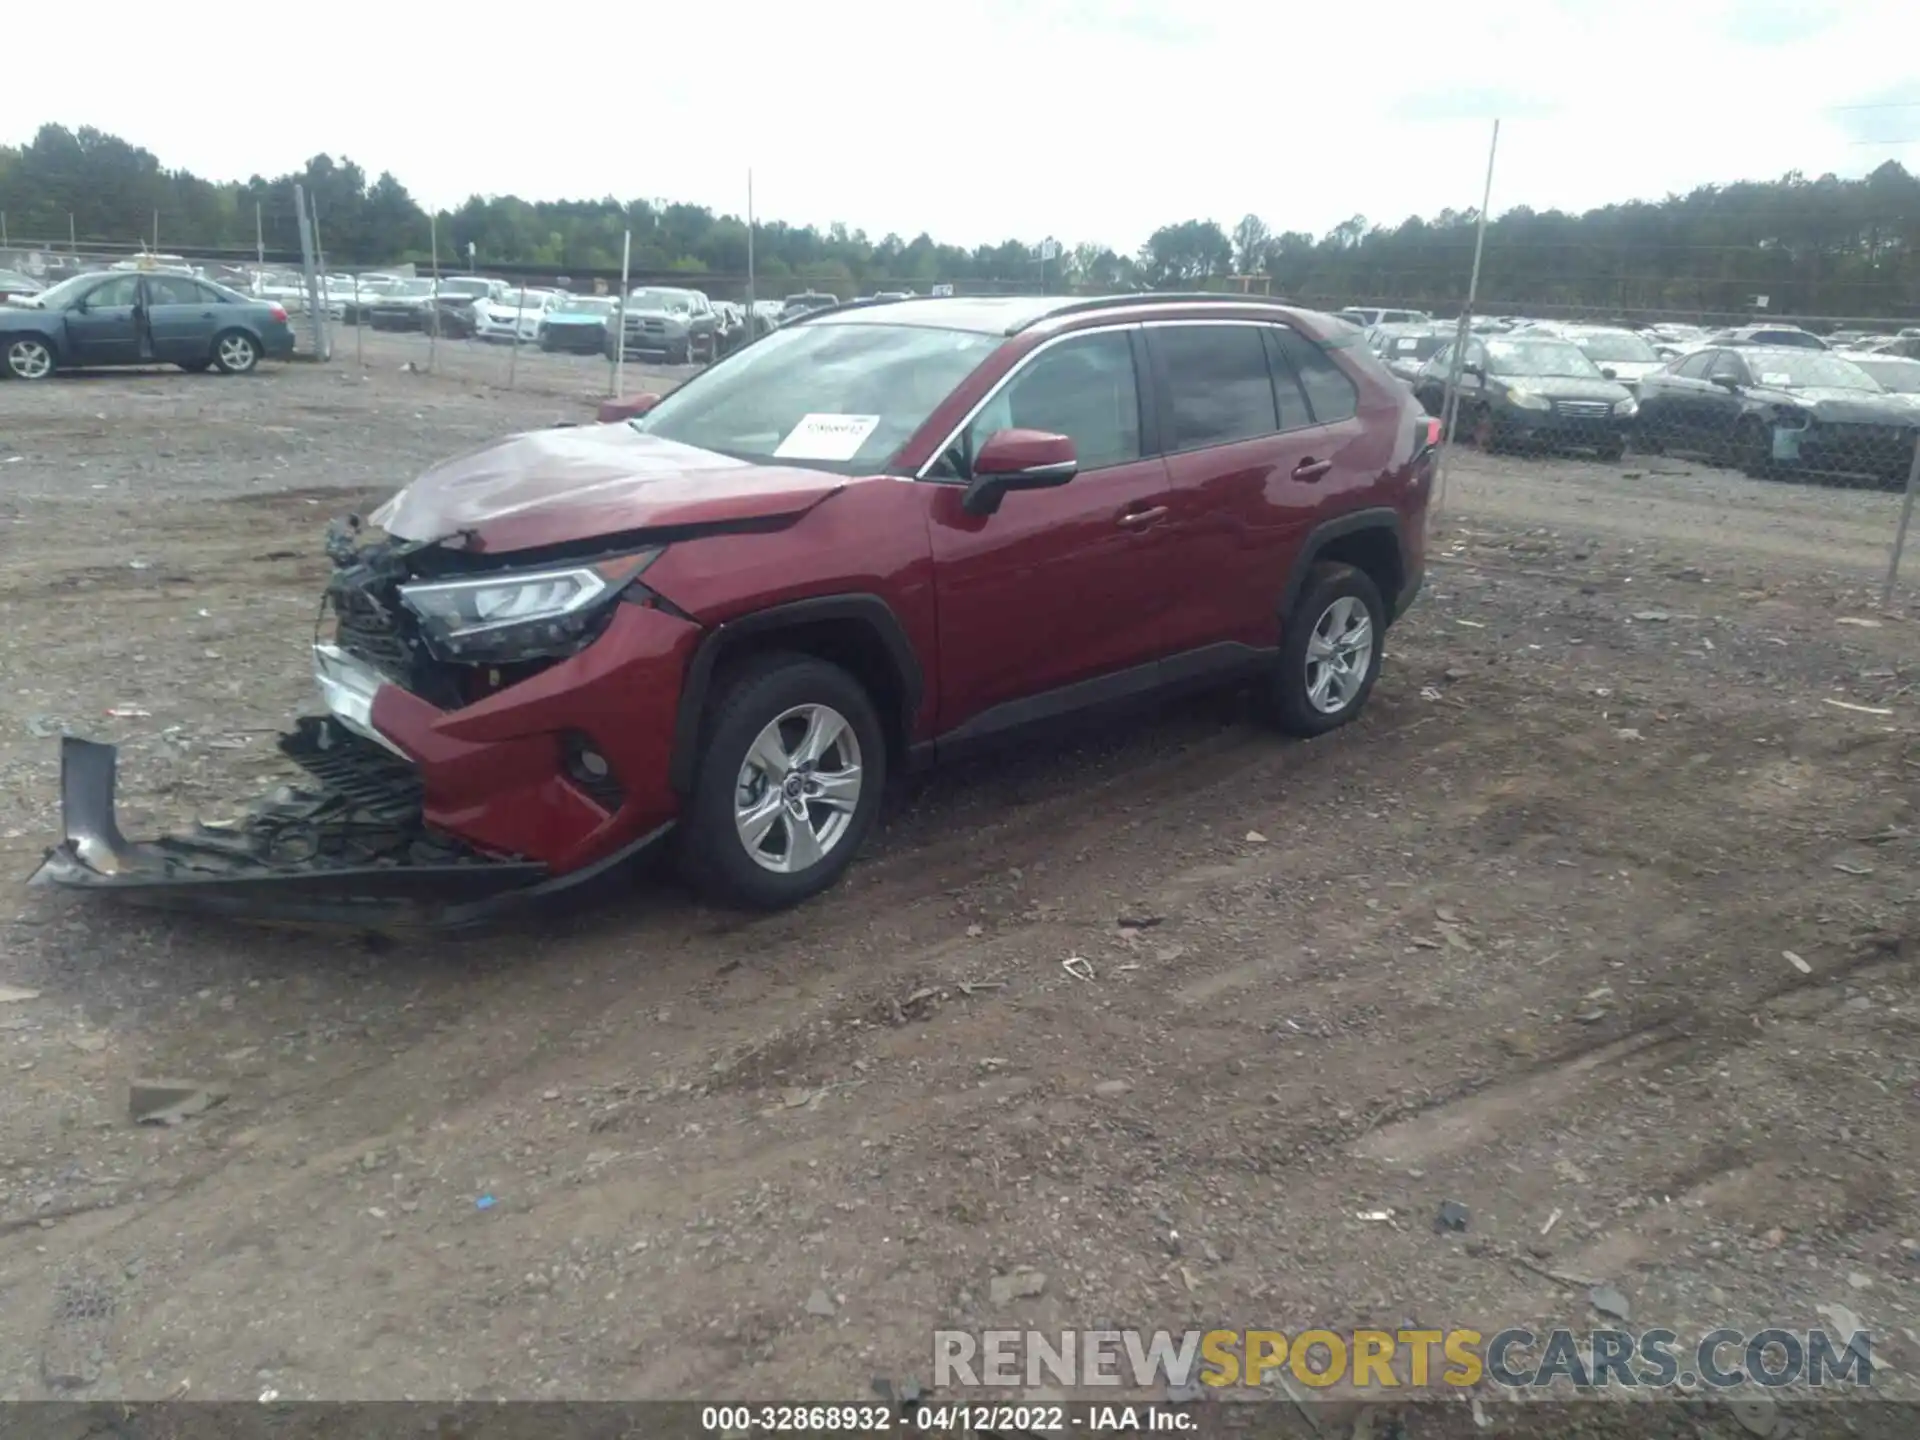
x,y
872,539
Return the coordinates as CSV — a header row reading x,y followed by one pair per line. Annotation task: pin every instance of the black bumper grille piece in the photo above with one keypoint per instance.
x,y
367,776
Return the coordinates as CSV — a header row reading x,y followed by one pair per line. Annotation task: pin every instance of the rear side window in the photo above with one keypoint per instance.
x,y
172,290
1217,384
1694,367
1330,394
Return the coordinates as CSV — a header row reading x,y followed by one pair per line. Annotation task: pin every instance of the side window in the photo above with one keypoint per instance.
x,y
207,295
1082,388
120,290
1218,386
172,290
1331,396
1726,363
1694,367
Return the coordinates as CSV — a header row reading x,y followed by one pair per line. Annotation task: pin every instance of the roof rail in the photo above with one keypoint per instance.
x,y
1149,297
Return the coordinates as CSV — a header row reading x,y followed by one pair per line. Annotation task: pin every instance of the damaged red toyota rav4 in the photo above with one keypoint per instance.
x,y
875,538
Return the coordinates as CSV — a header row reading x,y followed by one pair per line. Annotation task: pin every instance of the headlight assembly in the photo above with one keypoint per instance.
x,y
1527,400
1628,406
521,615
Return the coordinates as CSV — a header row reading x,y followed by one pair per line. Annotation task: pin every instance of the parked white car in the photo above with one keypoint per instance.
x,y
495,319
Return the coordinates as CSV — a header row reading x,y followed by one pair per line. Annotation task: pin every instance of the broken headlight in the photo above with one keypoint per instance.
x,y
521,614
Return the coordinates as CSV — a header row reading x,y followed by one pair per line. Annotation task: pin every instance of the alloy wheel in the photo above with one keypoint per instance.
x,y
798,790
30,359
1339,651
236,353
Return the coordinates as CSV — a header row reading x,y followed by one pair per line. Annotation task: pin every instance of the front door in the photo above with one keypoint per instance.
x,y
106,325
1065,585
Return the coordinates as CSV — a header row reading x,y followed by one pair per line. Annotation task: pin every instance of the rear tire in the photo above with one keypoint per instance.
x,y
756,772
235,352
1323,677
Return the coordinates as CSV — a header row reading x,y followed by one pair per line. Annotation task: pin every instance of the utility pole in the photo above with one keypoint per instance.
x,y
313,278
749,254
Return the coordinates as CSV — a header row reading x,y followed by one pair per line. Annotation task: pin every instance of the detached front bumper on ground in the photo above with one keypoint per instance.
x,y
407,816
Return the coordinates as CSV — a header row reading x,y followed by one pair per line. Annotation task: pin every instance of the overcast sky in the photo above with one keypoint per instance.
x,y
982,120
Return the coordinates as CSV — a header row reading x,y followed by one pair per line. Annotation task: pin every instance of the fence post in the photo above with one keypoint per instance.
x,y
432,312
520,310
359,326
1450,401
620,316
306,261
1900,535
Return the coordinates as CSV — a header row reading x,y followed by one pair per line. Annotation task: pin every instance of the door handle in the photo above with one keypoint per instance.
x,y
1140,519
1310,470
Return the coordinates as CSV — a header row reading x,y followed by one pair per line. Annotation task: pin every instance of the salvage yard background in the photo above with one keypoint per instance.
x,y
1518,939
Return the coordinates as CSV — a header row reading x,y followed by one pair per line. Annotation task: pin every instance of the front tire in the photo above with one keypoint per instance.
x,y
235,352
1330,653
681,354
29,357
1615,451
787,786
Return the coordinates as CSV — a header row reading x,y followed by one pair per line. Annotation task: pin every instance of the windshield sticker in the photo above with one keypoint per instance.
x,y
1776,377
827,437
1407,344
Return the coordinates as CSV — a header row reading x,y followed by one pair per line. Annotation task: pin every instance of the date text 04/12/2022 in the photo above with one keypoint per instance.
x,y
746,1420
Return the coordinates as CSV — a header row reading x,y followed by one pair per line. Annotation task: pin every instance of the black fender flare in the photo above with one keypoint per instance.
x,y
865,609
1377,517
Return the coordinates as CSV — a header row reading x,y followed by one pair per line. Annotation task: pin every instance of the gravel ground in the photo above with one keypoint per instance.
x,y
1518,939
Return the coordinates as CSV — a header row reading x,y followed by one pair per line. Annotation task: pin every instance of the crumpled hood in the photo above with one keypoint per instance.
x,y
549,487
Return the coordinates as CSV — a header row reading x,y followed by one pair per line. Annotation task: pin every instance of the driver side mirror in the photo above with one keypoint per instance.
x,y
1476,371
612,412
1610,373
1018,460
1726,382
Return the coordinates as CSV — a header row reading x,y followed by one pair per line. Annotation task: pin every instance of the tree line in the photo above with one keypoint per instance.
x,y
1811,245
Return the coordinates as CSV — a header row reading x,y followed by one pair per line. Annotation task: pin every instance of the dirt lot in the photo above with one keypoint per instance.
x,y
1516,940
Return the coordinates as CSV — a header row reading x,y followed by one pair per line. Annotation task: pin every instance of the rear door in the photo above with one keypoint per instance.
x,y
1243,441
181,317
1717,408
104,327
1671,402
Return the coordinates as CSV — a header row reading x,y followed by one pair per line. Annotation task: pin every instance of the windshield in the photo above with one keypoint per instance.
x,y
1902,377
1794,369
514,299
676,301
584,305
861,391
465,287
1539,357
1617,345
414,287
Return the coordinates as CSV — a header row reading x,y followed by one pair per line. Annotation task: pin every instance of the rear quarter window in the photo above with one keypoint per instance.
x,y
1331,395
